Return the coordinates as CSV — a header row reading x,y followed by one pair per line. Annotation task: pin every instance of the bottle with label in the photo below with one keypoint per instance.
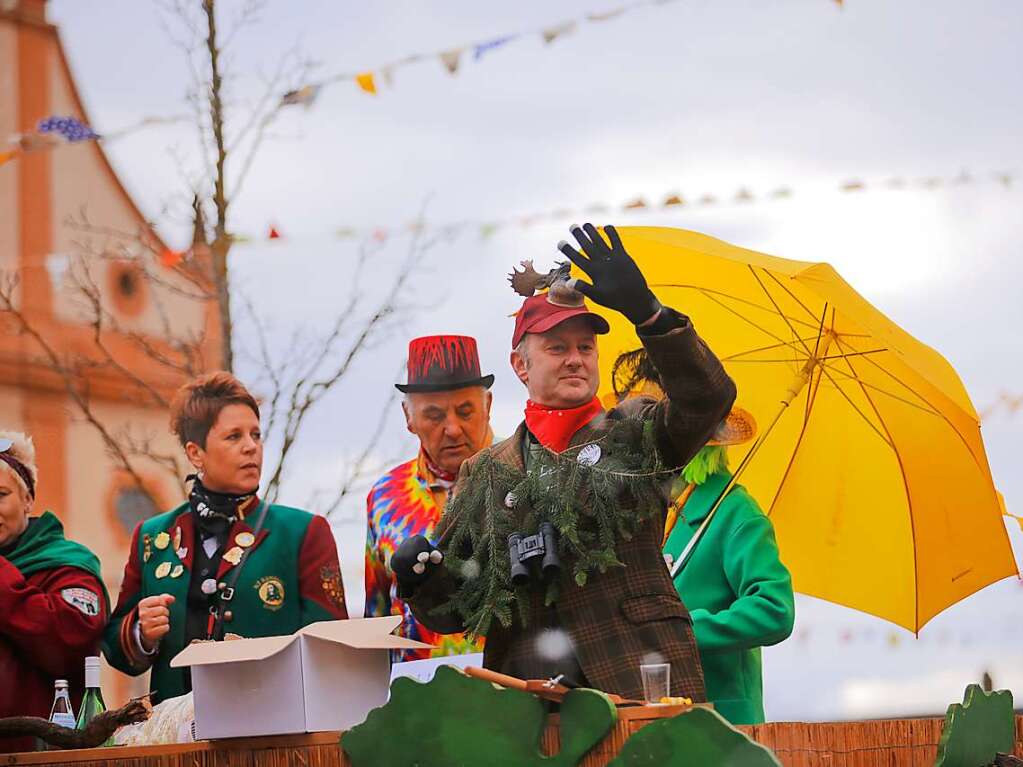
x,y
61,713
92,703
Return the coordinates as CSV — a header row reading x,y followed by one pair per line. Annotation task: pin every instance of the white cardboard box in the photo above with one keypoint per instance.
x,y
326,676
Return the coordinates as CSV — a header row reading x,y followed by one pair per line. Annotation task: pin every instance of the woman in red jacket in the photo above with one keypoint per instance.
x,y
53,605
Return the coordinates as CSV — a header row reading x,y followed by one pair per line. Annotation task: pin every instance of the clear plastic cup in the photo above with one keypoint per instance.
x,y
656,681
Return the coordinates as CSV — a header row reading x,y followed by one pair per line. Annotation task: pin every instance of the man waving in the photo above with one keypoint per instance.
x,y
551,543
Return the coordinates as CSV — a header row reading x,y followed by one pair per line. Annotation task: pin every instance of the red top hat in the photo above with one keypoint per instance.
x,y
442,363
538,315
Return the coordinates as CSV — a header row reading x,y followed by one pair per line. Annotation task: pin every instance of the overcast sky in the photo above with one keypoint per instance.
x,y
689,96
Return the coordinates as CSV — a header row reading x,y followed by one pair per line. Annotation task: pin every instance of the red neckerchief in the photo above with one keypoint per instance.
x,y
555,428
444,479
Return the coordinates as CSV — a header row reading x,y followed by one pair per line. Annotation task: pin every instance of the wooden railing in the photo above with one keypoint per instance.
x,y
881,743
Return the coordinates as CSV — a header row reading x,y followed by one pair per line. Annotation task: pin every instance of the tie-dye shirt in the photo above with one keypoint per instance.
x,y
406,501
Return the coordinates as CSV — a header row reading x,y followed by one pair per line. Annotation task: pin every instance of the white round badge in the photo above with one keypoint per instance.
x,y
589,455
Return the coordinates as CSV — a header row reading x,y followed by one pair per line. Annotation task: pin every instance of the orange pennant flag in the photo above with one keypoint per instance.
x,y
366,82
171,258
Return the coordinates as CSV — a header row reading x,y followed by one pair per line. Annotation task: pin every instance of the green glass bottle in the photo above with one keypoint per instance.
x,y
92,702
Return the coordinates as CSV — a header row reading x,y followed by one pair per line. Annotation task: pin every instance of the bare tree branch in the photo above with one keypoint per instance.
x,y
358,472
312,386
75,385
221,240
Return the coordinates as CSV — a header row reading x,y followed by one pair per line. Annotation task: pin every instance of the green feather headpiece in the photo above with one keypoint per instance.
x,y
706,463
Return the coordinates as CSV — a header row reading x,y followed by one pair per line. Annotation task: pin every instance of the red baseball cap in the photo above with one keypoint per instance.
x,y
538,315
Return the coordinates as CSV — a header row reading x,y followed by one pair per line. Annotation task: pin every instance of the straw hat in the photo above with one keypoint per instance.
x,y
739,426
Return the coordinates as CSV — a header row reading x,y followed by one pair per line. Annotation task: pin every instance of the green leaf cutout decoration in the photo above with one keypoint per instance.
x,y
699,737
456,720
976,729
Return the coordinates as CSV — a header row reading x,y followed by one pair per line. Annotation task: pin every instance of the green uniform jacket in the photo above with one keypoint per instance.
x,y
290,579
738,592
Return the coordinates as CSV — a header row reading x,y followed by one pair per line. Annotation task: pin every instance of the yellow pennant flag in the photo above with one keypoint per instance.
x,y
366,82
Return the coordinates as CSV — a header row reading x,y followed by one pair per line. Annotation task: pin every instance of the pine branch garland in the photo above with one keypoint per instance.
x,y
592,508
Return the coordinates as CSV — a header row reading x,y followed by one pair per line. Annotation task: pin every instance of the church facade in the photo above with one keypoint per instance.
x,y
123,371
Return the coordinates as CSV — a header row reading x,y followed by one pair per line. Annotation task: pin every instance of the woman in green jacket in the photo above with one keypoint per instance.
x,y
224,562
738,592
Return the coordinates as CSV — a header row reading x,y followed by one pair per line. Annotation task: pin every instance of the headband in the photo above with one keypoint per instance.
x,y
20,469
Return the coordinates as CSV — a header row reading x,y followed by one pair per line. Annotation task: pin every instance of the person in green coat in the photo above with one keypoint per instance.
x,y
737,590
224,562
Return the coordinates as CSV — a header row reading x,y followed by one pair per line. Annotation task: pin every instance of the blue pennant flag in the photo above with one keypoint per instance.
x,y
490,45
70,128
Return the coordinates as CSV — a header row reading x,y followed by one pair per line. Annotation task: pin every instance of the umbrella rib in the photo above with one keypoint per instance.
x,y
820,359
817,346
926,407
932,410
909,498
811,398
711,293
768,348
781,341
855,407
791,294
780,312
913,391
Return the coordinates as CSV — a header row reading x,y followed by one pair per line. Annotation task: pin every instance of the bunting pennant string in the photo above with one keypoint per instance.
x,y
896,639
1006,403
671,201
451,56
56,130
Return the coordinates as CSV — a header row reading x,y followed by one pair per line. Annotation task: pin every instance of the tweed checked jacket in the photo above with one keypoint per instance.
x,y
628,615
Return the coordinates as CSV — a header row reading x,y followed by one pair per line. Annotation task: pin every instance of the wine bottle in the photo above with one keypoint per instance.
x,y
92,703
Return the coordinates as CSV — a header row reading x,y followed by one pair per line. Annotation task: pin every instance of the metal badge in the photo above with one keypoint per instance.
x,y
147,547
234,555
162,541
177,537
163,569
182,553
245,539
176,572
510,500
589,455
209,586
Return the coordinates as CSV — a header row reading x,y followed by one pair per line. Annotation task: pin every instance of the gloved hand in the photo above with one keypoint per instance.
x,y
413,561
617,282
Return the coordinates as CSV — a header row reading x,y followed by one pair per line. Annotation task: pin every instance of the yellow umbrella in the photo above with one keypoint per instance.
x,y
870,461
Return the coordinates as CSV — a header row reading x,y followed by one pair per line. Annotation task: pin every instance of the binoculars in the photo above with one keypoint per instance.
x,y
524,550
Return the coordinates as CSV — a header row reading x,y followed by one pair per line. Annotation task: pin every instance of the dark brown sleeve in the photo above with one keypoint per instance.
x,y
699,391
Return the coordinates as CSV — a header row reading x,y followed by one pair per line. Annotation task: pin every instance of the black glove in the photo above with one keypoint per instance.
x,y
617,282
413,561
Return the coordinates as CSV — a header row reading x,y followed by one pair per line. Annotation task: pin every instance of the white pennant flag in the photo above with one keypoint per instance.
x,y
451,59
553,33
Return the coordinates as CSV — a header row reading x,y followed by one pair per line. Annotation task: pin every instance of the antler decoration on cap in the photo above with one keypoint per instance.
x,y
528,281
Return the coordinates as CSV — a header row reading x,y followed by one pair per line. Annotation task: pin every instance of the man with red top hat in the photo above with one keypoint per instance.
x,y
447,406
550,545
